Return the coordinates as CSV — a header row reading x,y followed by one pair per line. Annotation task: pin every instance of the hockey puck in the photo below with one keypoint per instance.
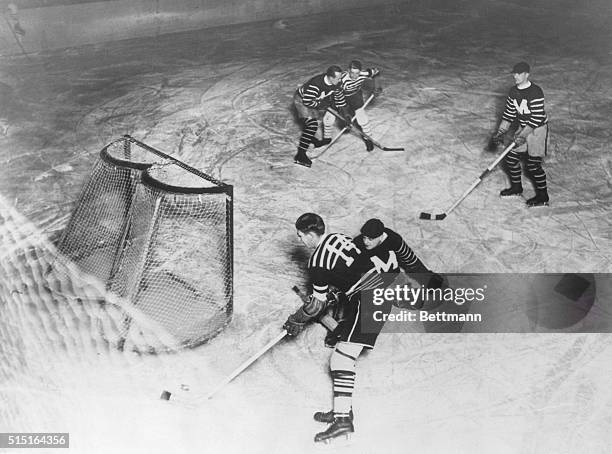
x,y
165,395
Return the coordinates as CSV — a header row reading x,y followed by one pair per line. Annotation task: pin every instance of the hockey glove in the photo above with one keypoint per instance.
x,y
519,141
293,326
346,116
498,137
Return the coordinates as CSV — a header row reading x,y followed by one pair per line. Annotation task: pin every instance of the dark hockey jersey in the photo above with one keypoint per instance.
x,y
526,105
390,255
316,88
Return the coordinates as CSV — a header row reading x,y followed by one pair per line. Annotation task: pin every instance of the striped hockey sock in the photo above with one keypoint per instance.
x,y
327,130
308,133
513,167
536,172
366,128
344,383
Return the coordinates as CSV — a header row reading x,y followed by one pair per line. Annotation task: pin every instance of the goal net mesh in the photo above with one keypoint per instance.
x,y
158,233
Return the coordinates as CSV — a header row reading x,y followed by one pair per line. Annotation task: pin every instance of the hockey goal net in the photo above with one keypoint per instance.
x,y
158,233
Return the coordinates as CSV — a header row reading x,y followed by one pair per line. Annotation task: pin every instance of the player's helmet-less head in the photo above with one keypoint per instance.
x,y
310,222
333,70
520,68
355,64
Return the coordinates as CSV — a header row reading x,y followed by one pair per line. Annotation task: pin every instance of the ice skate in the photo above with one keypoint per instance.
x,y
514,190
540,199
301,159
341,427
328,416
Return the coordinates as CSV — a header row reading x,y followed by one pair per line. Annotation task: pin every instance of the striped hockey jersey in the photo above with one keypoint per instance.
x,y
352,86
334,262
526,105
317,94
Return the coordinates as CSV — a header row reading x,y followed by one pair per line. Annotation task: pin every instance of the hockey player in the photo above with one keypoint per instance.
x,y
352,82
525,103
311,101
388,252
335,261
385,252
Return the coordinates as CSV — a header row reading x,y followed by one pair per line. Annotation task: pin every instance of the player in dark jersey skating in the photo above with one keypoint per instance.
x,y
334,262
311,101
352,83
525,104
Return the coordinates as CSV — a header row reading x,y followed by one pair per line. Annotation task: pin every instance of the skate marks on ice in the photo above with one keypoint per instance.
x,y
472,391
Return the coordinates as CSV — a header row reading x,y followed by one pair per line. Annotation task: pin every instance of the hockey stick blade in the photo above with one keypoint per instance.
x,y
361,133
439,217
432,217
393,149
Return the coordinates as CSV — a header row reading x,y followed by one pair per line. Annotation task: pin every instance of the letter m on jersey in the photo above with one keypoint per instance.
x,y
385,267
523,107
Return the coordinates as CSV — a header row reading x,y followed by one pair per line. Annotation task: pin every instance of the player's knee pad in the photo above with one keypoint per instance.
x,y
362,117
338,361
328,119
344,356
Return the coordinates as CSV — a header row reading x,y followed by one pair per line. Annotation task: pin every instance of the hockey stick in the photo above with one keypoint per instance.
x,y
346,128
439,217
247,363
361,133
166,394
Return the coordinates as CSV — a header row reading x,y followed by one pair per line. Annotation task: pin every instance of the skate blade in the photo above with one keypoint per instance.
x,y
335,442
541,205
303,164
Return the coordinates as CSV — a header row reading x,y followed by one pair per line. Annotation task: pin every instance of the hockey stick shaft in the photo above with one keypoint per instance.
x,y
247,363
346,128
361,133
472,187
482,176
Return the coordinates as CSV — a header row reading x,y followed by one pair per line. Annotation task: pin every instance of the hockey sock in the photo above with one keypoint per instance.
x,y
536,172
342,365
310,129
365,127
327,130
344,383
513,167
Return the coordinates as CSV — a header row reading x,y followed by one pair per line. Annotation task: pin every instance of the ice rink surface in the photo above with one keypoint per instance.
x,y
220,99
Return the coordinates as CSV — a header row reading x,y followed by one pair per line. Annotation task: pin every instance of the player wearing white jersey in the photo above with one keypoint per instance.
x,y
352,82
334,262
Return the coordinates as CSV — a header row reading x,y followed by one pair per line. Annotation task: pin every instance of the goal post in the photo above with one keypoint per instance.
x,y
159,233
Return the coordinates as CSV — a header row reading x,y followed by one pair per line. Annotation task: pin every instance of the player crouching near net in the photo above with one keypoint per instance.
x,y
311,101
352,83
337,261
